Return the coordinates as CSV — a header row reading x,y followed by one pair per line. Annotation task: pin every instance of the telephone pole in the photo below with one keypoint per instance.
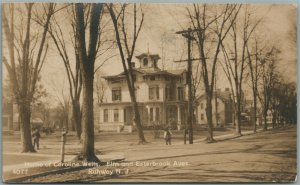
x,y
187,34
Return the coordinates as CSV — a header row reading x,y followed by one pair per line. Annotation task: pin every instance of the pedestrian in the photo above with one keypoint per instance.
x,y
36,138
168,135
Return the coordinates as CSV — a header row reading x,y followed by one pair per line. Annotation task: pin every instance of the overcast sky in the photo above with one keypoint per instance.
x,y
158,36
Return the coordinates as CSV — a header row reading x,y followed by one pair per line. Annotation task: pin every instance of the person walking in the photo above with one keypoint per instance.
x,y
168,135
36,138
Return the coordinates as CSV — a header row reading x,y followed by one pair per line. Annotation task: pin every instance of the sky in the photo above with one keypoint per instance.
x,y
158,37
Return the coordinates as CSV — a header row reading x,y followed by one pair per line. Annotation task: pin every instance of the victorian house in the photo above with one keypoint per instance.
x,y
160,96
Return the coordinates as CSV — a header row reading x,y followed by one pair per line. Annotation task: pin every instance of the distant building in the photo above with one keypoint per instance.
x,y
160,96
222,112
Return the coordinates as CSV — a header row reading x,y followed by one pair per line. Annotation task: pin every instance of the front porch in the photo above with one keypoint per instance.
x,y
120,117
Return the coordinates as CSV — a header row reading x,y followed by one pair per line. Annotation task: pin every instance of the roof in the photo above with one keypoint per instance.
x,y
147,73
164,72
147,54
122,74
223,95
177,71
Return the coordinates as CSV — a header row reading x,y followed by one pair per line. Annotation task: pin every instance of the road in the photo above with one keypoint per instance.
x,y
263,157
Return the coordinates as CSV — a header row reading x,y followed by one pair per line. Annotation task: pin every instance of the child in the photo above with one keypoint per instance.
x,y
167,136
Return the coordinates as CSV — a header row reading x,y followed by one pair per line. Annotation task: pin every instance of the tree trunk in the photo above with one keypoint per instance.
x,y
87,62
209,138
139,127
238,124
137,116
24,114
265,119
87,135
238,110
76,118
254,110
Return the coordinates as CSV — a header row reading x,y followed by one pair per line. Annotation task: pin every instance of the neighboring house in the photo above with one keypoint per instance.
x,y
160,95
221,114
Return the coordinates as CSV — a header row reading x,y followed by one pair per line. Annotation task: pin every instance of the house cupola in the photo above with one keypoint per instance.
x,y
148,61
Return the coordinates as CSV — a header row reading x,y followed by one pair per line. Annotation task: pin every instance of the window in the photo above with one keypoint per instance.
x,y
151,114
169,94
116,115
202,117
152,78
145,62
157,114
116,94
201,105
105,115
155,63
180,93
153,92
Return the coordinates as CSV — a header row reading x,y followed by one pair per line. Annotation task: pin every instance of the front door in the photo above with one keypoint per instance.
x,y
128,116
171,115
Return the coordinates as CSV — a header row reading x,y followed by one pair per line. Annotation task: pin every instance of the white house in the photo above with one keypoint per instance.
x,y
160,96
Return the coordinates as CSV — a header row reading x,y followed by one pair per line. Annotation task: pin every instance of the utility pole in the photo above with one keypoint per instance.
x,y
189,37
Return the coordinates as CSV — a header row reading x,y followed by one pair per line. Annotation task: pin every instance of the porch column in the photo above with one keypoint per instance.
x,y
178,117
148,116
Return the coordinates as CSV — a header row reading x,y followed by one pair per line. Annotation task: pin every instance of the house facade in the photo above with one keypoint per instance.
x,y
222,112
160,95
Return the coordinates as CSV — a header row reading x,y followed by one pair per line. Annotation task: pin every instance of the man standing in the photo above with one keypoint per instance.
x,y
36,138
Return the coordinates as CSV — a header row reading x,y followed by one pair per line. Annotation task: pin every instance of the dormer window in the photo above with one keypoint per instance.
x,y
145,62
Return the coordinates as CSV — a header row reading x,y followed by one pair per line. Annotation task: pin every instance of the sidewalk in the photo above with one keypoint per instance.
x,y
232,135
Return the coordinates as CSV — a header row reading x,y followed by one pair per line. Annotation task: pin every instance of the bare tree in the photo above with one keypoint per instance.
x,y
87,63
101,87
29,47
210,29
126,49
254,54
269,79
236,58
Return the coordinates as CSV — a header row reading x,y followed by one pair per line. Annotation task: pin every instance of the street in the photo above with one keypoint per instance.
x,y
262,157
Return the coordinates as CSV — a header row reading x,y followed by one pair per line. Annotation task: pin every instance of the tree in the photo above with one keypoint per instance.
x,y
254,53
236,58
101,87
126,50
87,63
211,24
269,78
70,58
29,47
64,102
